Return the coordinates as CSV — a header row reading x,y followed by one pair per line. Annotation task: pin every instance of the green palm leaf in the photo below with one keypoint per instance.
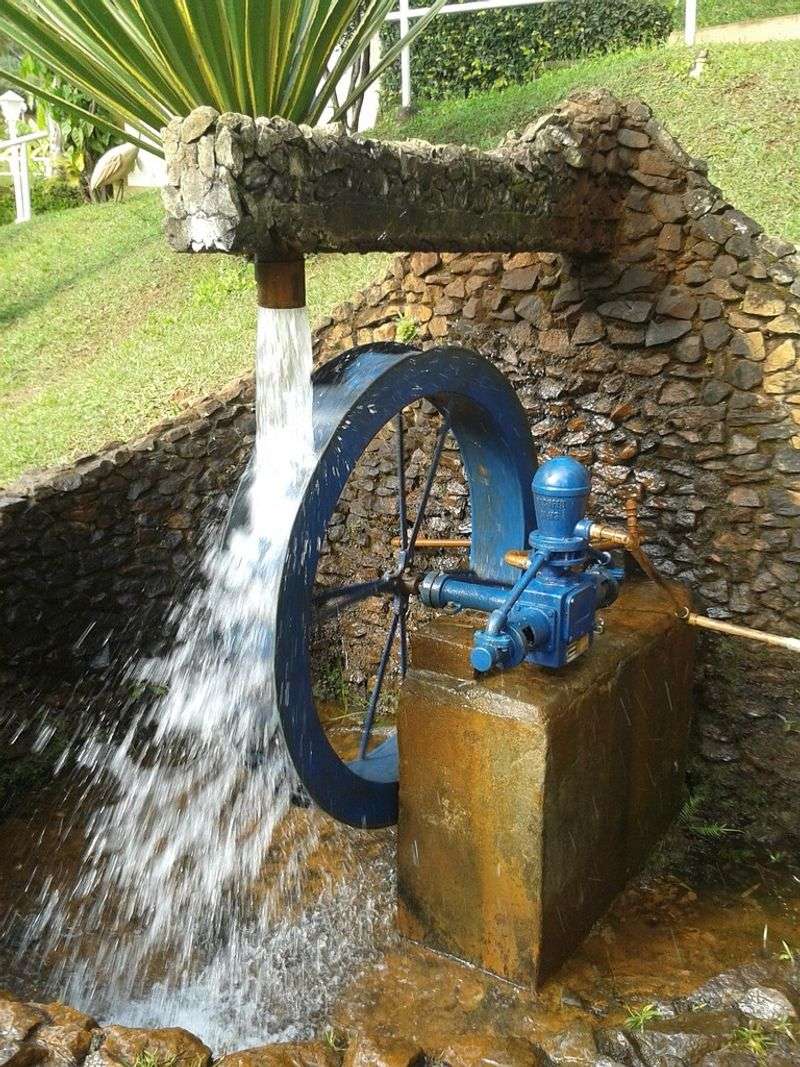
x,y
149,60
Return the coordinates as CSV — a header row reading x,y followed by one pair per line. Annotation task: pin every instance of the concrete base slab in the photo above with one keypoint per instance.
x,y
528,798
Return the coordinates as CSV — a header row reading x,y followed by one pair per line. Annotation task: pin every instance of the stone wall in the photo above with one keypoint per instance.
x,y
93,554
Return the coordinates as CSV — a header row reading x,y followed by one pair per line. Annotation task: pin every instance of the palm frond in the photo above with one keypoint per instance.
x,y
147,61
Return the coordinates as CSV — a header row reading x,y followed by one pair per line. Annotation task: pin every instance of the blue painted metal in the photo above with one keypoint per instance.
x,y
548,616
355,395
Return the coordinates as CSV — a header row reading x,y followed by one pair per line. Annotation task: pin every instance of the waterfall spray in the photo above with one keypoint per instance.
x,y
176,861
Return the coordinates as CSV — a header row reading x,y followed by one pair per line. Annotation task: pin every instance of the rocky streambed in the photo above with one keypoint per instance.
x,y
742,1017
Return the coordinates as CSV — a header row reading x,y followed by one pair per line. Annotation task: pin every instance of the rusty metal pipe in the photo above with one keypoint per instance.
x,y
718,626
281,283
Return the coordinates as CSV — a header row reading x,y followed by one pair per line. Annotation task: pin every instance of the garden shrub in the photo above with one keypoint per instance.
x,y
47,194
54,194
463,54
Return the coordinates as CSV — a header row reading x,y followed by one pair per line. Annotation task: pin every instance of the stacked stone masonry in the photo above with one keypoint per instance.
x,y
669,364
271,188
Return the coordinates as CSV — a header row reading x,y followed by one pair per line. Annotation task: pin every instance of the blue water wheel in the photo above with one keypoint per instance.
x,y
355,396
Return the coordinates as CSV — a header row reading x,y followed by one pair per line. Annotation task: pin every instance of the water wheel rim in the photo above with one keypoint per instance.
x,y
355,395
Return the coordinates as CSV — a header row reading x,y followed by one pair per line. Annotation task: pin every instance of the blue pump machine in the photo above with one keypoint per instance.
x,y
548,616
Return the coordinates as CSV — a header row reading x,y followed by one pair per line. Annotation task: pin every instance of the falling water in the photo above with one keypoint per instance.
x,y
173,919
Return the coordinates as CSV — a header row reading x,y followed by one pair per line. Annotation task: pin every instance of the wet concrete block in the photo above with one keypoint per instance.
x,y
528,798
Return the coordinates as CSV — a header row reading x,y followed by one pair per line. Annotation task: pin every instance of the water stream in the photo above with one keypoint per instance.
x,y
190,908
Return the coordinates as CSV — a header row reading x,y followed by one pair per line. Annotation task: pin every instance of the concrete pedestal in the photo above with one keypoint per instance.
x,y
529,798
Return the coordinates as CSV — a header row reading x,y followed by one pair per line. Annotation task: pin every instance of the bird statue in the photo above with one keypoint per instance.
x,y
113,168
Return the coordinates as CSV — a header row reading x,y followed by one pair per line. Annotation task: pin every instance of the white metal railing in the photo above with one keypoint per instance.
x,y
405,13
16,151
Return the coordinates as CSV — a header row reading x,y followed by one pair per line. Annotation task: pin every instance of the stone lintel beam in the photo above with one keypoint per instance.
x,y
269,188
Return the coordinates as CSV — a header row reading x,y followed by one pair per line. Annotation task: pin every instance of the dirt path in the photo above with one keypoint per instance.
x,y
752,31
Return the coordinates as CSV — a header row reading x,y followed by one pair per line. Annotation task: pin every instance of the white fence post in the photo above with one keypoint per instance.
x,y
13,107
690,22
405,57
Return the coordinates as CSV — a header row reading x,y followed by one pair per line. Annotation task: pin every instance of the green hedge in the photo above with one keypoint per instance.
x,y
463,54
47,194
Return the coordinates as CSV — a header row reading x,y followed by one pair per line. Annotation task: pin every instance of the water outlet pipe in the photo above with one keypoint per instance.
x,y
281,283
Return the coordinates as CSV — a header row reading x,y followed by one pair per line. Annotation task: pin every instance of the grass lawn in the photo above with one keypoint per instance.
x,y
721,12
743,116
105,330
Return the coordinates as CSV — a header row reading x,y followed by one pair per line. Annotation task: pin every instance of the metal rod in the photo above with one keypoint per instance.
x,y
401,479
434,544
717,625
403,610
426,490
281,284
497,620
330,601
369,718
358,589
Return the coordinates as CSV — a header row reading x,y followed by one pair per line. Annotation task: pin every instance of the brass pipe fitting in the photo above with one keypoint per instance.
x,y
519,558
721,627
609,535
281,283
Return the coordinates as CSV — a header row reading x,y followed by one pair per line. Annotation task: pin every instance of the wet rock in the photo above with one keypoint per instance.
x,y
574,1044
18,1019
371,1051
729,1057
66,1038
685,1038
170,1044
297,1054
482,1050
766,1004
725,990
19,1054
619,1045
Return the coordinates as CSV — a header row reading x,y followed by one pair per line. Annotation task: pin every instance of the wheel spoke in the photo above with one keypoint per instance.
x,y
426,491
401,480
335,598
369,717
403,635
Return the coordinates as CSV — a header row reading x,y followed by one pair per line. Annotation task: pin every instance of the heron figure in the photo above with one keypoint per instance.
x,y
113,168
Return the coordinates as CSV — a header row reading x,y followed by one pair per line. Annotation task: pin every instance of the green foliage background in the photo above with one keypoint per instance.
x,y
82,141
463,54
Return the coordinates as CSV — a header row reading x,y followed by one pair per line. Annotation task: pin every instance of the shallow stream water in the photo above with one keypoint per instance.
x,y
661,939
